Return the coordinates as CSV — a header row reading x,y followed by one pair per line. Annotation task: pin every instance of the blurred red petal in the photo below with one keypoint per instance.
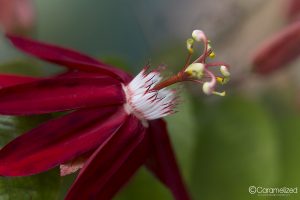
x,y
162,161
278,51
7,80
17,15
52,95
59,140
66,57
110,159
293,9
25,12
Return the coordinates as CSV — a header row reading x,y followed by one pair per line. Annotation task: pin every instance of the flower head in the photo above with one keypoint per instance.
x,y
113,126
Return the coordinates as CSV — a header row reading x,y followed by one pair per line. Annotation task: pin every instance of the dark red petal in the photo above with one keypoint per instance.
x,y
7,80
59,94
278,51
108,161
66,57
162,161
59,140
128,169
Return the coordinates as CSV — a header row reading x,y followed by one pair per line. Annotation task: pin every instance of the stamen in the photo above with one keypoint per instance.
x,y
199,35
197,71
224,71
209,48
189,45
222,80
208,88
222,94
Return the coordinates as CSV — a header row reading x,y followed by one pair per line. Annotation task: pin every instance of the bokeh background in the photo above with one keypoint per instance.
x,y
251,137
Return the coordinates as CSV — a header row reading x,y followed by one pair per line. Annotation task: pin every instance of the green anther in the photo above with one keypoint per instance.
x,y
189,45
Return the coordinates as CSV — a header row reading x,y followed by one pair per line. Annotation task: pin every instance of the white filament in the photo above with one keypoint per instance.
x,y
145,103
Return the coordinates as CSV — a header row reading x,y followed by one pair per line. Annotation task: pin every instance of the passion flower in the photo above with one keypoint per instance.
x,y
112,125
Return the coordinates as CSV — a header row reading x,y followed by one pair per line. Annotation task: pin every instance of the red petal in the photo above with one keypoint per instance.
x,y
162,161
66,57
278,51
293,9
17,16
128,169
59,140
10,80
59,94
107,162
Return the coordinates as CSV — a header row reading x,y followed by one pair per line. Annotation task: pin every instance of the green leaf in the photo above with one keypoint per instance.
x,y
43,186
287,119
236,148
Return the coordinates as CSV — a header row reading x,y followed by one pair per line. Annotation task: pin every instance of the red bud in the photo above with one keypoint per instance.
x,y
278,51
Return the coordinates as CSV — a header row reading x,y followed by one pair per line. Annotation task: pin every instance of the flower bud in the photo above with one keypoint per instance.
x,y
278,51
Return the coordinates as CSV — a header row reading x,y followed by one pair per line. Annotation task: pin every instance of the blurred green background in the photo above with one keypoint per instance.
x,y
251,137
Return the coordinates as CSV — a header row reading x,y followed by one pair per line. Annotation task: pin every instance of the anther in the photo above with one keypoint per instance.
x,y
198,35
224,71
195,70
189,45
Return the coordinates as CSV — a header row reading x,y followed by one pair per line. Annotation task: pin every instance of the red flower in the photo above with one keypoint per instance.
x,y
114,127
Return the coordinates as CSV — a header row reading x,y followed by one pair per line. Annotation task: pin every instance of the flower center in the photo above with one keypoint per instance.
x,y
146,103
147,95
